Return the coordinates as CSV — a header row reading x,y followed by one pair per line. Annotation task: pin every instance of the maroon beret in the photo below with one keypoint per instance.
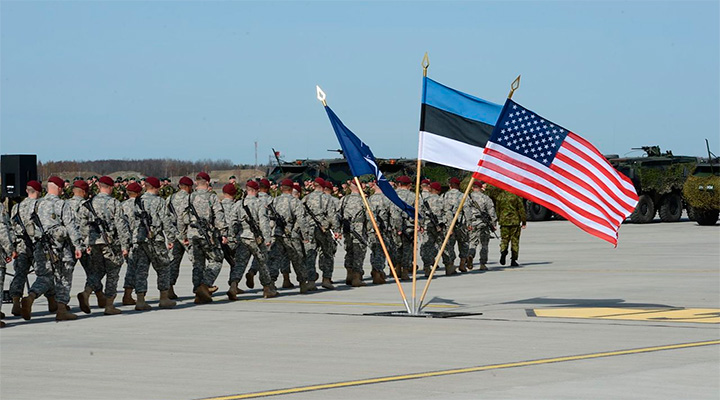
x,y
436,186
230,189
328,185
478,183
320,181
153,181
56,180
134,187
296,186
425,181
106,180
203,175
287,182
264,183
35,185
81,184
252,184
454,181
186,181
403,179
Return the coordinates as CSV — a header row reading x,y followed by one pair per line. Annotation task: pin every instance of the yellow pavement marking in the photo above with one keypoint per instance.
x,y
699,315
395,378
351,303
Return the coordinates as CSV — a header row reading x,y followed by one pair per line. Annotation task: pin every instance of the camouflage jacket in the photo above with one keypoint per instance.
x,y
176,205
380,206
451,202
161,223
109,210
208,208
353,215
432,205
7,236
242,220
482,210
58,221
510,209
323,208
290,211
24,208
400,220
128,209
227,206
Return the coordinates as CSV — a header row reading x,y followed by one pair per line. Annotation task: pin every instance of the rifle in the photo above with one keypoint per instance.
x,y
46,242
144,217
347,226
254,227
201,225
431,214
484,216
100,224
317,221
282,224
25,235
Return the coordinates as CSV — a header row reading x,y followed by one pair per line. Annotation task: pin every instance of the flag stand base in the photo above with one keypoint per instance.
x,y
423,314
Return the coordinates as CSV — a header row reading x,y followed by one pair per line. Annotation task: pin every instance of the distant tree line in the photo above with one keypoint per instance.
x,y
159,167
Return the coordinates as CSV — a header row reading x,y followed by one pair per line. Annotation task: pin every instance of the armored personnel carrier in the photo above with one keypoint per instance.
x,y
702,191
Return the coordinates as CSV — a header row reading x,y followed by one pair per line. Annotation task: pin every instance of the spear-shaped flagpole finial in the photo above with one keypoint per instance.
x,y
425,64
321,95
514,86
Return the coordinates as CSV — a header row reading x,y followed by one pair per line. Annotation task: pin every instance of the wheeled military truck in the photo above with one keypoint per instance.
x,y
702,192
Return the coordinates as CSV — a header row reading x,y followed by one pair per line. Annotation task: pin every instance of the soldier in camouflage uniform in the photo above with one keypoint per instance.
x,y
176,205
287,215
252,225
228,203
380,207
355,227
58,223
134,190
459,235
483,222
209,223
7,249
433,225
512,218
403,226
264,196
107,237
25,247
154,230
321,226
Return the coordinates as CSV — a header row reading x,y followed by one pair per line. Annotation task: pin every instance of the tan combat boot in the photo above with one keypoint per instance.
x,y
377,277
203,294
83,298
269,291
405,274
483,267
127,299
52,304
450,269
63,314
250,279
348,276
17,308
141,305
233,291
357,280
110,306
165,301
462,265
327,284
171,293
469,263
426,270
27,303
101,299
286,281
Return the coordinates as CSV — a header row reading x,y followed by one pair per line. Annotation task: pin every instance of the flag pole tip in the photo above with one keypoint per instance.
x,y
320,95
425,63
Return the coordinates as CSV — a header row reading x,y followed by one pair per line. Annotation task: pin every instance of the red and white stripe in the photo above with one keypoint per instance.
x,y
580,184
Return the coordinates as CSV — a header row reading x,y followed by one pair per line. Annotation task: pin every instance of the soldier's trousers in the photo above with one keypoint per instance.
x,y
108,262
93,276
460,236
283,252
54,283
156,253
480,235
510,235
203,252
354,254
377,255
403,257
323,249
2,276
21,268
131,271
245,249
431,246
176,256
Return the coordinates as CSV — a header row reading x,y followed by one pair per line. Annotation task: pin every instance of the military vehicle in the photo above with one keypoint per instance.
x,y
702,191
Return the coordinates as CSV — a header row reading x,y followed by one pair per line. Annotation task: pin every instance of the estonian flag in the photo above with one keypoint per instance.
x,y
454,126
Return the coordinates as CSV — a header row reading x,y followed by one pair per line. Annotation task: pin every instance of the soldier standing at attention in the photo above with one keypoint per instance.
x,y
483,222
355,230
334,195
431,207
134,190
202,217
264,196
287,213
403,226
25,232
380,207
57,221
107,240
93,276
7,249
322,230
512,218
176,205
459,235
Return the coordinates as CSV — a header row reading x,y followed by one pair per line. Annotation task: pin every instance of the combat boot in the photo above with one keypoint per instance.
x,y
141,305
327,284
63,314
203,294
286,281
405,274
212,289
233,291
2,315
311,286
503,257
27,303
127,299
2,324
357,280
101,300
483,267
427,270
349,276
462,265
84,300
513,263
469,263
269,291
165,301
377,277
450,269
52,304
17,308
171,293
250,279
110,306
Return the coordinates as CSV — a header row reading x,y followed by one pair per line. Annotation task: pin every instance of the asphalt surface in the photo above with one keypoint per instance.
x,y
636,321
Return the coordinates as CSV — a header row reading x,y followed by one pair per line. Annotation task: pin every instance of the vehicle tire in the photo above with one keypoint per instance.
x,y
536,212
691,212
671,208
706,217
645,210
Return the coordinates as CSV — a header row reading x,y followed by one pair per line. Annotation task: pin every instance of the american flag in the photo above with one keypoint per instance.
x,y
551,166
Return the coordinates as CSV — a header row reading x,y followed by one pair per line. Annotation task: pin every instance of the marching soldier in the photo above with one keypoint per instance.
x,y
380,207
25,234
354,222
204,223
403,227
177,205
107,240
483,222
512,218
134,190
263,195
7,249
433,225
459,235
322,228
56,233
254,238
229,249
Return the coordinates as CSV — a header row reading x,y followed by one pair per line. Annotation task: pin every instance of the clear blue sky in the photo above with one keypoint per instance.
x,y
192,80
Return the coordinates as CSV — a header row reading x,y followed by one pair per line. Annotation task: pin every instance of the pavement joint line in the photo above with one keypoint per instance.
x,y
349,303
395,378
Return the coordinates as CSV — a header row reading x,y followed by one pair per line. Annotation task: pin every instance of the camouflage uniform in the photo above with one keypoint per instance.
x,y
176,206
264,199
26,256
93,277
402,222
208,208
229,248
151,247
248,243
459,235
288,246
511,215
482,210
106,257
380,206
323,208
7,243
432,204
128,209
59,223
354,219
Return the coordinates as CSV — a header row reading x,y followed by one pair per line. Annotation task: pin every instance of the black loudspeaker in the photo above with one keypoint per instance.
x,y
17,170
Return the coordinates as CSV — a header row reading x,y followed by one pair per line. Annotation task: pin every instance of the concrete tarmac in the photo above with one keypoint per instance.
x,y
578,320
